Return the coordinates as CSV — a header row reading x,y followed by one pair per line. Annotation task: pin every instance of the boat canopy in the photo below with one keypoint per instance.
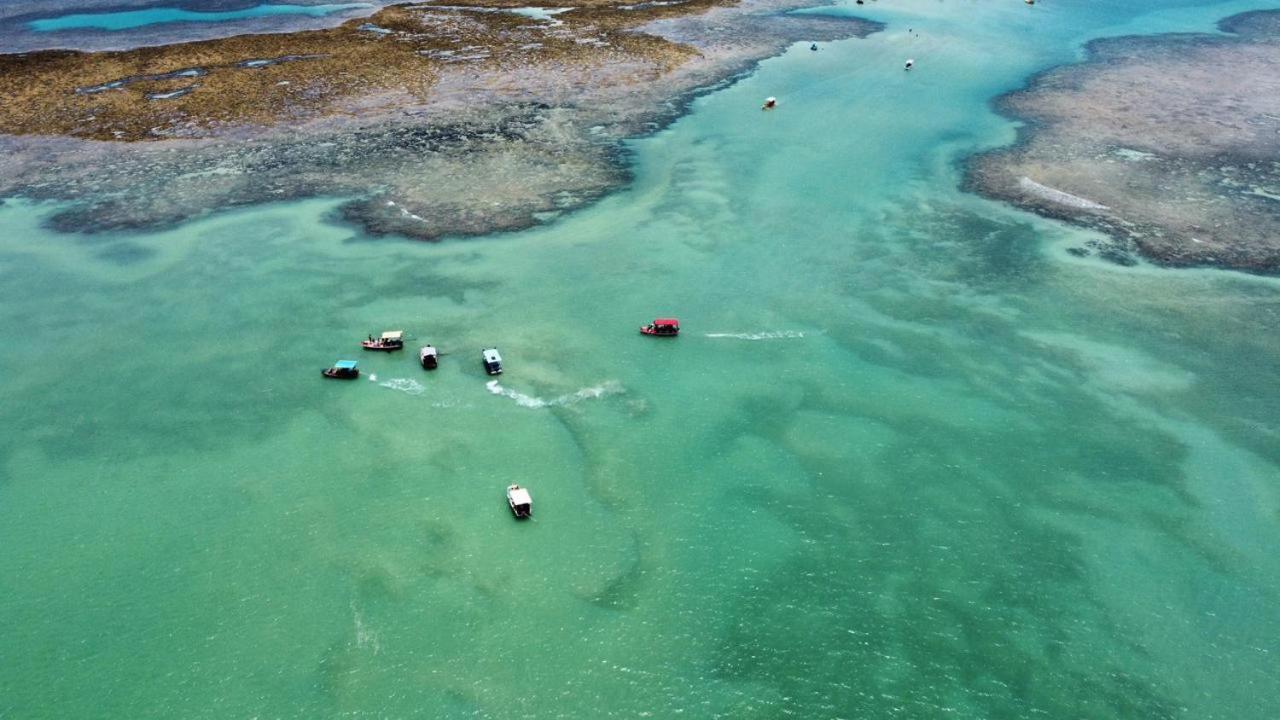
x,y
667,321
345,364
393,335
519,496
491,355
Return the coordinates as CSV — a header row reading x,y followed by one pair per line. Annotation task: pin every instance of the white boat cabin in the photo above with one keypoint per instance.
x,y
520,500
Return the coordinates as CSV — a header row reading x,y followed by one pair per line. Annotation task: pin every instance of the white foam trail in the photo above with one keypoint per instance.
x,y
405,385
604,389
771,335
364,636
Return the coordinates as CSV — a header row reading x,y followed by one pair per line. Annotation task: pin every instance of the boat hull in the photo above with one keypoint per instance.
x,y
333,374
380,347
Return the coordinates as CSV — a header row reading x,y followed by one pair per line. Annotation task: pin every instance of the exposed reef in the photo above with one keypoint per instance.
x,y
1169,144
438,120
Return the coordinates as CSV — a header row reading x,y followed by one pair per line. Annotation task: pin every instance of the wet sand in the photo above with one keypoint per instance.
x,y
1167,143
439,120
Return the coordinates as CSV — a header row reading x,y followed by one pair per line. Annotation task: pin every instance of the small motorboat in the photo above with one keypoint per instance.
x,y
520,501
428,356
769,103
663,327
492,361
342,370
388,341
910,64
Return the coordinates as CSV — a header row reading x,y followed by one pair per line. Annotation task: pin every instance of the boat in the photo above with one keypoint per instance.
x,y
520,501
664,327
428,356
342,370
910,64
769,103
492,361
388,341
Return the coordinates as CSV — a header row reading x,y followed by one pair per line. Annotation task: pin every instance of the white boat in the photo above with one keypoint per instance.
x,y
429,357
520,501
389,340
492,361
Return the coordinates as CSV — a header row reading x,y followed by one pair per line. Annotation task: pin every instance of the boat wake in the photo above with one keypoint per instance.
x,y
404,385
364,636
770,335
604,389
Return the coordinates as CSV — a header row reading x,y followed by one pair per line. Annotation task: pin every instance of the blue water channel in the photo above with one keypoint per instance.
x,y
129,19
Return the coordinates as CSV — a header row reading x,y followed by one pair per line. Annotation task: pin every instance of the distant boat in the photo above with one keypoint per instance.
x,y
428,356
342,370
910,64
389,340
520,501
769,103
663,327
492,361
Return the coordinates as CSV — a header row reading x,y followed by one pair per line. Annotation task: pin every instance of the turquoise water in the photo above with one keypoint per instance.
x,y
908,459
128,19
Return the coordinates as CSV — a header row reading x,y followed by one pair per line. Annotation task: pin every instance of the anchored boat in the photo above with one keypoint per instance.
x,y
520,501
388,341
342,370
429,357
665,327
492,361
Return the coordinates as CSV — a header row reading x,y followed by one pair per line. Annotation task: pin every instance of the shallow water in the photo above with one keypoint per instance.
x,y
128,19
907,459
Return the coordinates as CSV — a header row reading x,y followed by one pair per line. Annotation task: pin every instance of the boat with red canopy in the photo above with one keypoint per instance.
x,y
666,327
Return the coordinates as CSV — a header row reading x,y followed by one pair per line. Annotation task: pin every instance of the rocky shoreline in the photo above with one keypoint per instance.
x,y
436,120
1168,144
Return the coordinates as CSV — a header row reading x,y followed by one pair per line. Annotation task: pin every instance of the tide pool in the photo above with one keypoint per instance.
x,y
908,458
128,19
